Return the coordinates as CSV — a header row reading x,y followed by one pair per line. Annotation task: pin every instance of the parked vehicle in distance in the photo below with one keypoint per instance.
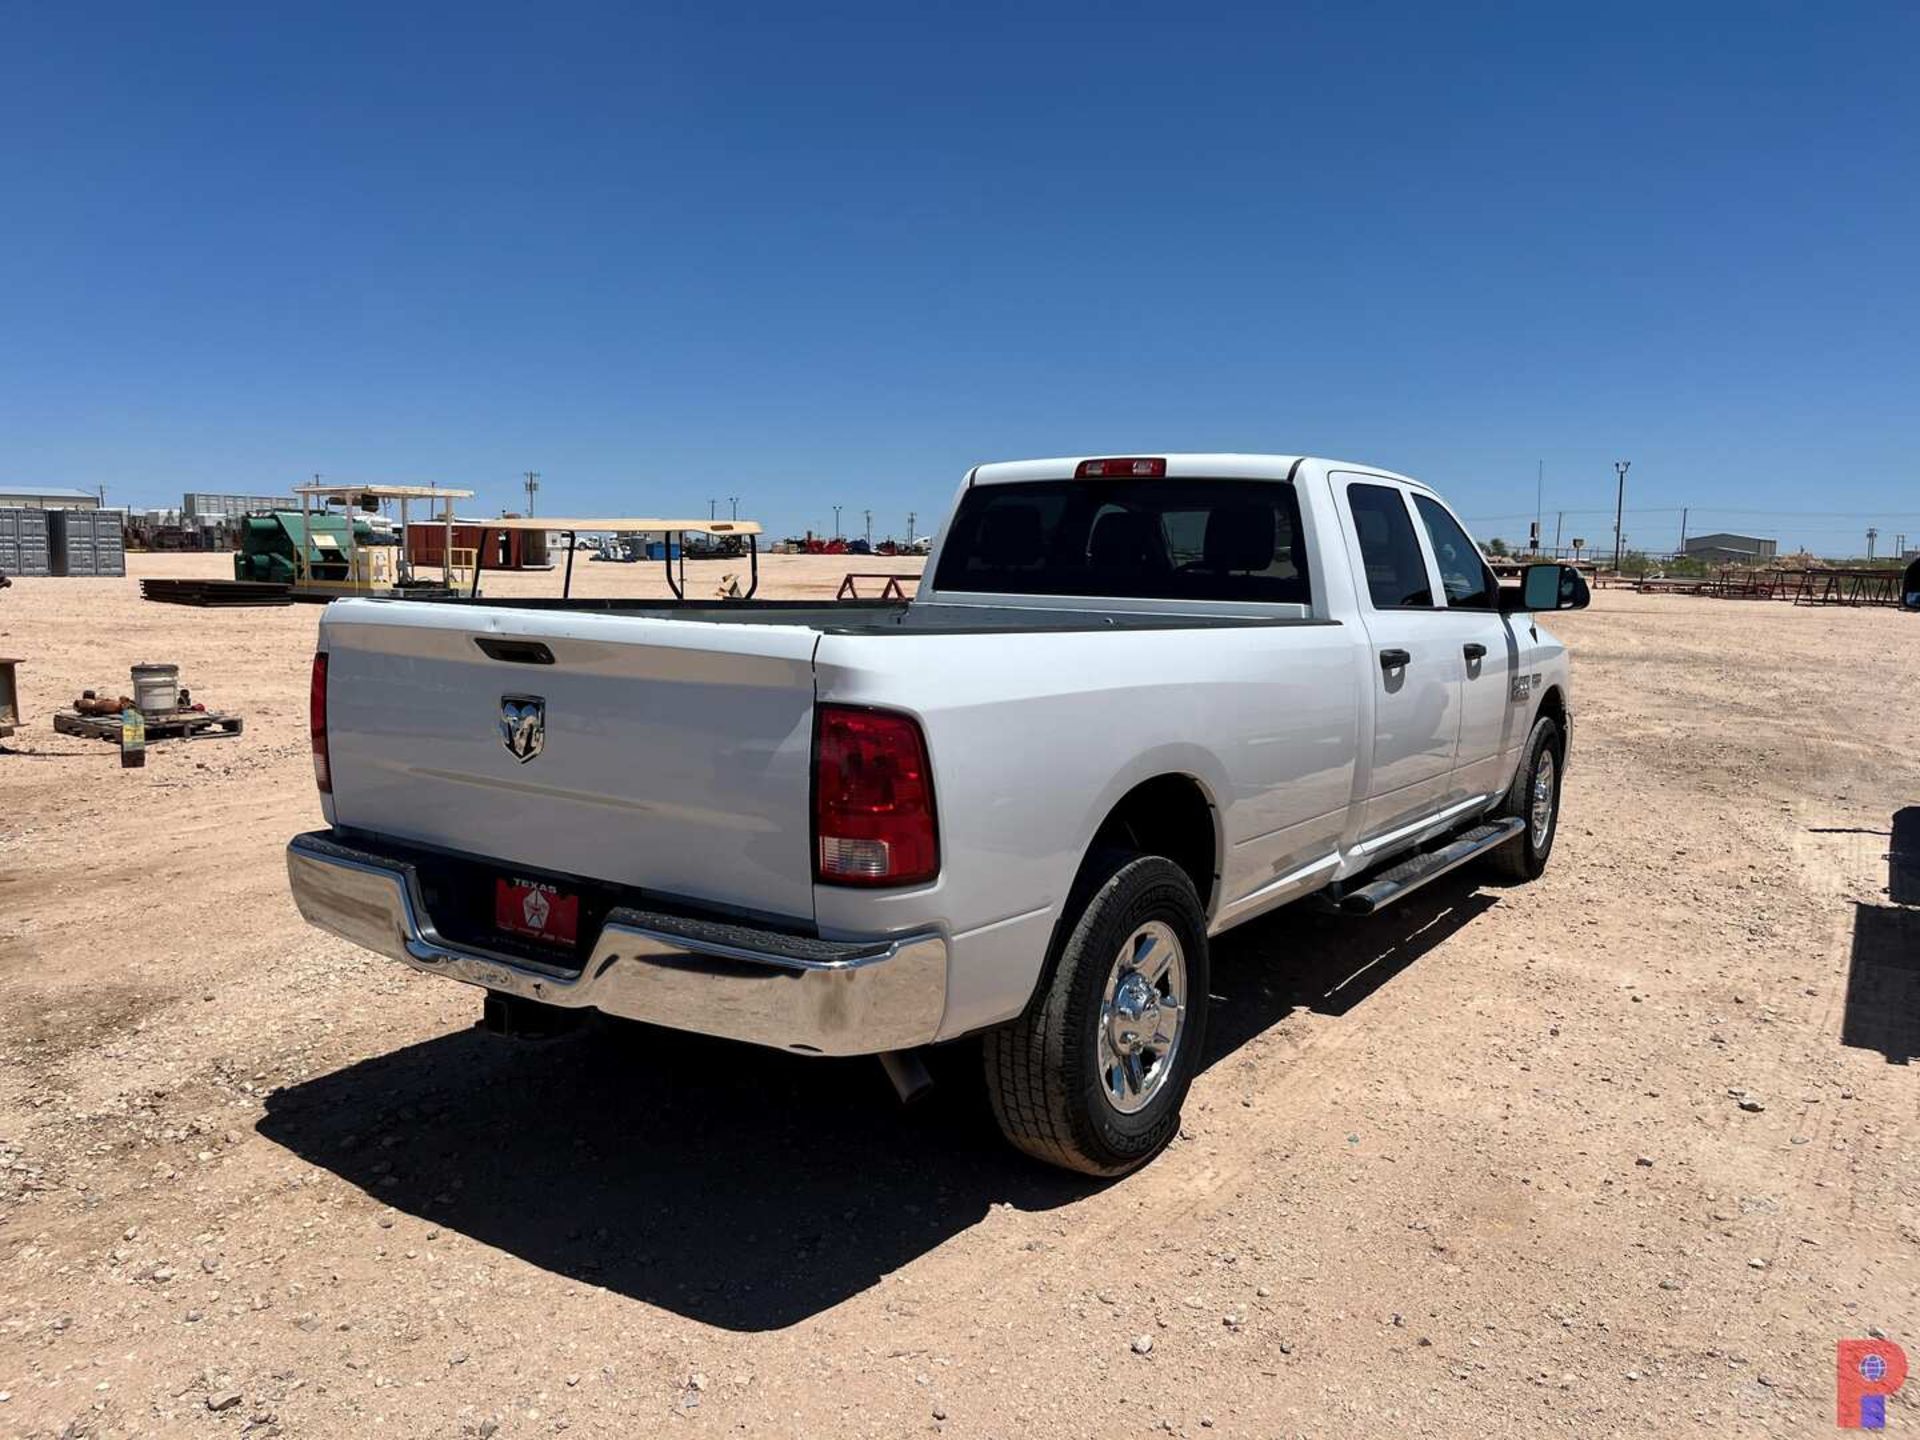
x,y
1138,701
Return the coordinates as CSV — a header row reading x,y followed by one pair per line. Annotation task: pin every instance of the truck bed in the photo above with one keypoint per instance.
x,y
673,757
879,617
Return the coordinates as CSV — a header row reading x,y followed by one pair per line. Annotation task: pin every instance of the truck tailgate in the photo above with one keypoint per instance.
x,y
673,756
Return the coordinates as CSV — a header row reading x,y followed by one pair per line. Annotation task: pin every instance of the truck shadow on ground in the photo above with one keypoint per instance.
x,y
1883,983
1883,972
741,1187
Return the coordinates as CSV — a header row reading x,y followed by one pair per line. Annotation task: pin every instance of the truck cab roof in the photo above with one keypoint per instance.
x,y
1192,465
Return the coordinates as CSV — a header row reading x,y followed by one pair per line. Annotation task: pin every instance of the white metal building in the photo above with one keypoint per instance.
x,y
47,497
1724,548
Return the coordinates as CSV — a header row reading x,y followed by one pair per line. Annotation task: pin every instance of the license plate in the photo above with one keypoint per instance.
x,y
536,910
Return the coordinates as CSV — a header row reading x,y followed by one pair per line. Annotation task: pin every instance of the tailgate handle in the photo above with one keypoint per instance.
x,y
514,652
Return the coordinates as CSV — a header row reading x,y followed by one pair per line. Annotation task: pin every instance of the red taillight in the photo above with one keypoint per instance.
x,y
317,724
873,820
1127,467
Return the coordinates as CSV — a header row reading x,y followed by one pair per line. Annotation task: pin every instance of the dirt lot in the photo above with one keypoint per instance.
x,y
1477,1166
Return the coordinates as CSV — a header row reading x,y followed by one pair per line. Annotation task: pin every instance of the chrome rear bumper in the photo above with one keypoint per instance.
x,y
823,997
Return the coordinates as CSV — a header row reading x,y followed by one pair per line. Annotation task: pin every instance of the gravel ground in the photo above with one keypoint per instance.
x,y
1622,1152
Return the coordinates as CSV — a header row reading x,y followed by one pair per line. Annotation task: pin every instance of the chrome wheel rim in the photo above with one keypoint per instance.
x,y
1142,1015
1542,807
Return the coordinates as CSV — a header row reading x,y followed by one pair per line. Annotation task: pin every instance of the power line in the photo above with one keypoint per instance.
x,y
1724,510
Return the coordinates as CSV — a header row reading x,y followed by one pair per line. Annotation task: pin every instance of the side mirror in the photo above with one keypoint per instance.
x,y
1547,587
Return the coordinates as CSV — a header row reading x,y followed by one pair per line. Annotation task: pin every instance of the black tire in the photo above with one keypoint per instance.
x,y
1523,858
1044,1070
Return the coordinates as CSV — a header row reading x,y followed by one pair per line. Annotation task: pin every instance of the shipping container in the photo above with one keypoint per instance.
x,y
86,542
18,523
23,541
16,559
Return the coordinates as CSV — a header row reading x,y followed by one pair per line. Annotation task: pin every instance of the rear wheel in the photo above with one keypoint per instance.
x,y
1093,1077
1533,797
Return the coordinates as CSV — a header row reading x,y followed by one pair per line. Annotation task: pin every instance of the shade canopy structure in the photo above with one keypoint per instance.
x,y
360,579
573,526
386,492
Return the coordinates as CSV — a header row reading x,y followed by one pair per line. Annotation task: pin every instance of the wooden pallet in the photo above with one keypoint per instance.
x,y
179,725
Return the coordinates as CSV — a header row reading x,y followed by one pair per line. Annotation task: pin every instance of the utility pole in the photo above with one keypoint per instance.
x,y
1683,528
1872,535
836,524
533,484
713,508
1620,468
103,496
869,517
734,501
911,517
1900,546
1539,485
1559,519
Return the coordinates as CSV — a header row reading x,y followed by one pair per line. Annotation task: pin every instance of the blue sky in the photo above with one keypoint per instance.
x,y
837,254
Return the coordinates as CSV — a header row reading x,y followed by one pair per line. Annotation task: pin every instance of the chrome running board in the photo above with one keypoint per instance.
x,y
1396,882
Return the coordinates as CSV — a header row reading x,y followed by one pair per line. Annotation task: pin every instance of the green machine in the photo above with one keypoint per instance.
x,y
270,546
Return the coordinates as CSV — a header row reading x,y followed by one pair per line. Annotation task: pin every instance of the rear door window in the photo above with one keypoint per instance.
x,y
1396,570
1140,539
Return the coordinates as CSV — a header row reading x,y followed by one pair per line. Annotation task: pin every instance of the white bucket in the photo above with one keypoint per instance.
x,y
156,688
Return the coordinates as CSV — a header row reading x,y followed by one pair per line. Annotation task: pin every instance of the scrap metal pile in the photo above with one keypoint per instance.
x,y
221,594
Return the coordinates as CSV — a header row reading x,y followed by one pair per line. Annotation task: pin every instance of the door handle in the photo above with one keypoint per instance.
x,y
1394,659
1474,650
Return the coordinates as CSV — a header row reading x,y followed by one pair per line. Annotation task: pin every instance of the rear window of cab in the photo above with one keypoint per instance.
x,y
1148,539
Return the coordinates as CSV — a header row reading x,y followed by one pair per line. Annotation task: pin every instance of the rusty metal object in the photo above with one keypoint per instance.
x,y
91,704
850,588
1797,583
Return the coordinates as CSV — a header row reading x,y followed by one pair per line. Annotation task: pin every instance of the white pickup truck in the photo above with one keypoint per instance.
x,y
1138,701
